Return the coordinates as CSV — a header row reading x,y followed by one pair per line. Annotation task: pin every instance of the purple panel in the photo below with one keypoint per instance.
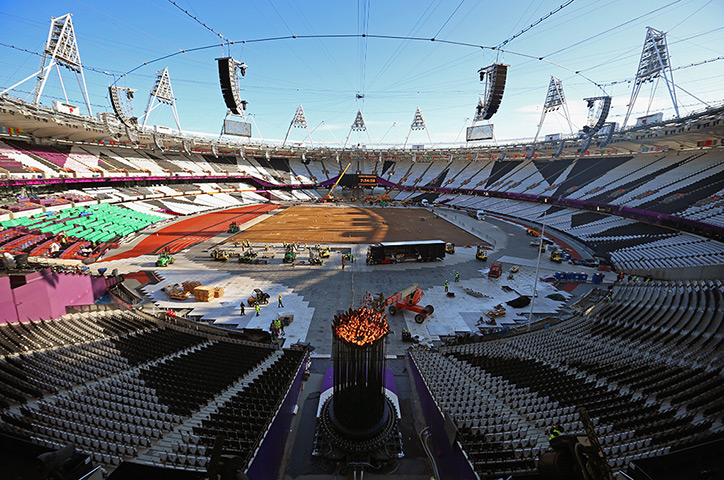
x,y
328,381
32,300
46,294
451,461
265,464
99,287
8,313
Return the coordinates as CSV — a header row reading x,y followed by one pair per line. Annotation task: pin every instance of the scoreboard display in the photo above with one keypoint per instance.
x,y
358,180
367,180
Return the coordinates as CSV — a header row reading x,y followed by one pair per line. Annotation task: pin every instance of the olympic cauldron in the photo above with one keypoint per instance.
x,y
359,417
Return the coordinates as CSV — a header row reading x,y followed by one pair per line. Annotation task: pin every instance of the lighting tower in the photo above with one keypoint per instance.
x,y
358,126
61,49
299,121
418,123
555,99
654,64
163,94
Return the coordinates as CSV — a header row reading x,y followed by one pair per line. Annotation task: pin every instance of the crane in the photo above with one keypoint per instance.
x,y
328,196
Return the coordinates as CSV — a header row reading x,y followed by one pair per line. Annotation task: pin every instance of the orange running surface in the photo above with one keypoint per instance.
x,y
183,234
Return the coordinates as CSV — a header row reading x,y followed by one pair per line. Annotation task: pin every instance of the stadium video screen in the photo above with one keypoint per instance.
x,y
232,127
479,132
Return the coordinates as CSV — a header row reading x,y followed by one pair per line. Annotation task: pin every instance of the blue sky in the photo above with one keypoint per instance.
x,y
600,38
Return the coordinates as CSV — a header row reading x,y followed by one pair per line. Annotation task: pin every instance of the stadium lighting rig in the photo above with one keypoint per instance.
x,y
654,64
358,126
418,124
61,50
299,121
555,100
162,92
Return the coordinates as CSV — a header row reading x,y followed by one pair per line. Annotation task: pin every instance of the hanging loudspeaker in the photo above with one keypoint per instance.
x,y
494,77
122,107
228,80
598,109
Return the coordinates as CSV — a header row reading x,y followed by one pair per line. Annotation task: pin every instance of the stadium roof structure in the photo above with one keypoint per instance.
x,y
39,121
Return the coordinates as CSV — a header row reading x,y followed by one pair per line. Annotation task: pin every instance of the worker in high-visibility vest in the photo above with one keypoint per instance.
x,y
257,308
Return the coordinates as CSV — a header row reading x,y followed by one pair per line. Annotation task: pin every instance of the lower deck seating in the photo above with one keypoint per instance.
x,y
116,383
647,364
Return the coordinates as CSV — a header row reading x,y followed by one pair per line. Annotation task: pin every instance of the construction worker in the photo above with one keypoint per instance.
x,y
281,305
446,286
457,276
555,431
257,308
242,307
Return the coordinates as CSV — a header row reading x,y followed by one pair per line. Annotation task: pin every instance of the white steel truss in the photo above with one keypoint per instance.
x,y
61,50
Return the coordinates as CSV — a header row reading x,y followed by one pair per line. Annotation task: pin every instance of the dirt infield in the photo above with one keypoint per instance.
x,y
328,224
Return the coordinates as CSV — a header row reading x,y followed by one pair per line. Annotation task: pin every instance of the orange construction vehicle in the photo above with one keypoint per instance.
x,y
409,299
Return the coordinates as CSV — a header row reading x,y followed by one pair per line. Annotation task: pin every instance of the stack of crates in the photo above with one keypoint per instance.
x,y
204,294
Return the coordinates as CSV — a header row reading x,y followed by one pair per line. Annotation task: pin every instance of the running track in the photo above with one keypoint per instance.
x,y
184,234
